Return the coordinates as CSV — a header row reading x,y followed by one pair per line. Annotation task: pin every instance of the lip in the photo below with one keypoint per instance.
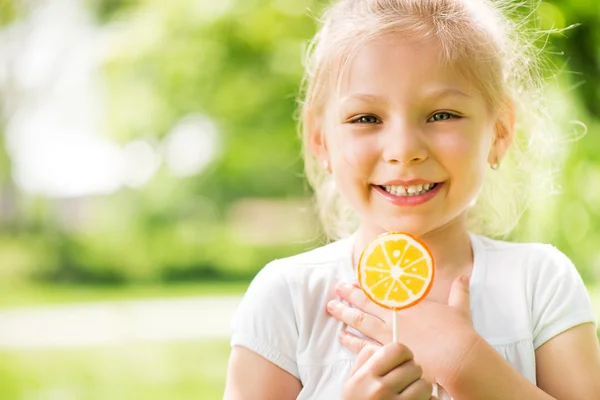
x,y
409,200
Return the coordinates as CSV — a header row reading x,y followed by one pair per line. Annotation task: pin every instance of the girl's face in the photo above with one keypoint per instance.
x,y
408,139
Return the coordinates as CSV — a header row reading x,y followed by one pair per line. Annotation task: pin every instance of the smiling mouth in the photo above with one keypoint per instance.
x,y
411,190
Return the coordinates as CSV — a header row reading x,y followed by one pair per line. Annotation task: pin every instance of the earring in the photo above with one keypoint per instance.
x,y
495,166
325,164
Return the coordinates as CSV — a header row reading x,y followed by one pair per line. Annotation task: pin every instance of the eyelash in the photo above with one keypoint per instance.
x,y
452,116
357,120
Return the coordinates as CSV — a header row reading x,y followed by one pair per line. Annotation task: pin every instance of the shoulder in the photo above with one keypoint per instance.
x,y
325,260
533,273
505,248
544,279
293,279
285,299
528,258
326,254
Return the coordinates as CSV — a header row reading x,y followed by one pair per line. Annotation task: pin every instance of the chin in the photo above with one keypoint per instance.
x,y
415,226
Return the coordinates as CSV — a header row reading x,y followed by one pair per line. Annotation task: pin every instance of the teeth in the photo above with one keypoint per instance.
x,y
399,190
411,190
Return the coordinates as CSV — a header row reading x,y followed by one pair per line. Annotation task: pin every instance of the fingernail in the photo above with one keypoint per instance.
x,y
339,286
332,305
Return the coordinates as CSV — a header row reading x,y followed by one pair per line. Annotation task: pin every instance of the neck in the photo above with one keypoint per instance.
x,y
450,246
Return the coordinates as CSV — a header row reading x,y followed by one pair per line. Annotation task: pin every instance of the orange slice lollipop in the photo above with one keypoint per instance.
x,y
396,270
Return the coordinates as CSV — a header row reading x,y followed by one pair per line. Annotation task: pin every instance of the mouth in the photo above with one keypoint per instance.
x,y
409,190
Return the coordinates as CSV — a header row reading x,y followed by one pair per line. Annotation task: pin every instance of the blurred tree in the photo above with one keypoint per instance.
x,y
107,10
581,45
8,11
225,66
238,64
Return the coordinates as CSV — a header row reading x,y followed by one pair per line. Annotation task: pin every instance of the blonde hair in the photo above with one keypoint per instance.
x,y
490,45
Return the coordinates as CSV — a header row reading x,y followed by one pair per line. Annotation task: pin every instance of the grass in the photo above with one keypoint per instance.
x,y
188,370
129,371
32,295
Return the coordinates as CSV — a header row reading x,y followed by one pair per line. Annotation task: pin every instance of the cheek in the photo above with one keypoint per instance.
x,y
353,156
464,150
464,157
354,153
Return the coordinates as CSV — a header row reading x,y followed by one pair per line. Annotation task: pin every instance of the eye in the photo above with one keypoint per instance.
x,y
442,116
365,119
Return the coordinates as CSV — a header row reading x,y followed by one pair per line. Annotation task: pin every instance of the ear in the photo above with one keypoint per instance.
x,y
317,143
504,133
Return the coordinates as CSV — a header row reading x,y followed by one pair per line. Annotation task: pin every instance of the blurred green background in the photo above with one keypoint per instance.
x,y
148,150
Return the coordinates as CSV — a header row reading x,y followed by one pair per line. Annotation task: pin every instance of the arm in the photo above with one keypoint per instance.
x,y
568,364
484,374
376,375
568,368
250,376
262,363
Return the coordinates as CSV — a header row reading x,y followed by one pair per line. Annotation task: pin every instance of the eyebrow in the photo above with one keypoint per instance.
x,y
368,98
449,92
435,94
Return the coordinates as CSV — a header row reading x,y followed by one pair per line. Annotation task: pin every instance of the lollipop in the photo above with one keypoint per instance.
x,y
396,271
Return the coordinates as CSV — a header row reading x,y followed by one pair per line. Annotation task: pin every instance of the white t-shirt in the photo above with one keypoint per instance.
x,y
522,295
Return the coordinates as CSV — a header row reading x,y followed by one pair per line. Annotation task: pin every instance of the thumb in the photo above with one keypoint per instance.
x,y
365,354
459,297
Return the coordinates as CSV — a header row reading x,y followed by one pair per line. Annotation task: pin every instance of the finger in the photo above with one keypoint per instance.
x,y
354,295
365,354
389,357
403,376
367,324
459,297
420,389
354,343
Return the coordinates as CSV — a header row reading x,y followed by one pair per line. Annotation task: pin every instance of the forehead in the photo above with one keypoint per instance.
x,y
391,66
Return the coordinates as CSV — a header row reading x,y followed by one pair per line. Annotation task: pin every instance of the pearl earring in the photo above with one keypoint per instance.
x,y
495,166
325,164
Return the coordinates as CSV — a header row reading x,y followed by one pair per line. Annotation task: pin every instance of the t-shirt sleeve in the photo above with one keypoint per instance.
x,y
265,321
560,299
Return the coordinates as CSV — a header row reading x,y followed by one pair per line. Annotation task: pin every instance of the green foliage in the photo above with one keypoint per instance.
x,y
580,47
240,64
8,11
194,370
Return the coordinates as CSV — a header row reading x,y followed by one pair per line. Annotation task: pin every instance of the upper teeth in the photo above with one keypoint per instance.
x,y
410,190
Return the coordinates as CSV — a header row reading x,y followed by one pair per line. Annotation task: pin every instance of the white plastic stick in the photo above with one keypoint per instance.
x,y
395,327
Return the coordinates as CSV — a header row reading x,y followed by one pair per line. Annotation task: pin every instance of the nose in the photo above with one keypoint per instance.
x,y
404,145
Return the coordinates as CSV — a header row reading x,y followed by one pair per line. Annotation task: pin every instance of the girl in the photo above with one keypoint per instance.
x,y
408,105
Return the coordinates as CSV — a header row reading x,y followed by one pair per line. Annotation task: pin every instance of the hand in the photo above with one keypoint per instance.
x,y
388,372
440,335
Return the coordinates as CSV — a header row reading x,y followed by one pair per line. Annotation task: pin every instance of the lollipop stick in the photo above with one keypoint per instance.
x,y
395,326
